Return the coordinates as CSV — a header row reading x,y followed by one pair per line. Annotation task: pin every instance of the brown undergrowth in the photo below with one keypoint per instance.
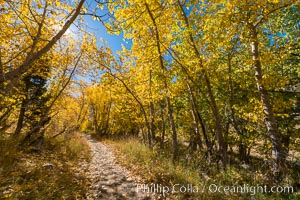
x,y
156,167
48,173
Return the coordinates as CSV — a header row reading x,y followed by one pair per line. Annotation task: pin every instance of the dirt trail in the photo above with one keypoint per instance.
x,y
109,180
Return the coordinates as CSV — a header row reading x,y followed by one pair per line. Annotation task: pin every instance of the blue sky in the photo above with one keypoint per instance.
x,y
96,27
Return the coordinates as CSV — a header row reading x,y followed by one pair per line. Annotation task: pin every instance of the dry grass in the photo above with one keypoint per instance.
x,y
156,167
52,173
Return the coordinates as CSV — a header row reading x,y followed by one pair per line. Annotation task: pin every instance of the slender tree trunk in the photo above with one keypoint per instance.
x,y
242,147
96,129
1,70
173,129
219,129
278,152
21,118
152,126
207,141
22,111
143,135
163,127
33,135
106,125
196,139
151,109
167,98
195,118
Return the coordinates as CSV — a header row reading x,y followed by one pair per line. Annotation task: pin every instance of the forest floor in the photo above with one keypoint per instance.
x,y
79,167
108,180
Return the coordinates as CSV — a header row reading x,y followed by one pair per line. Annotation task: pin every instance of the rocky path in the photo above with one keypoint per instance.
x,y
109,181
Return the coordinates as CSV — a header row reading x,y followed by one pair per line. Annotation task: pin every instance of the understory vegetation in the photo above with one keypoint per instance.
x,y
53,172
156,167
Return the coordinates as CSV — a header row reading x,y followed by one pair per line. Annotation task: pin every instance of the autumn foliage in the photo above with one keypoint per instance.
x,y
217,79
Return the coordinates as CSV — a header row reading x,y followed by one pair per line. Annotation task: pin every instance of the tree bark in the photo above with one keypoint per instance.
x,y
151,108
20,119
1,70
173,129
167,98
278,152
198,140
242,146
152,126
163,127
219,129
